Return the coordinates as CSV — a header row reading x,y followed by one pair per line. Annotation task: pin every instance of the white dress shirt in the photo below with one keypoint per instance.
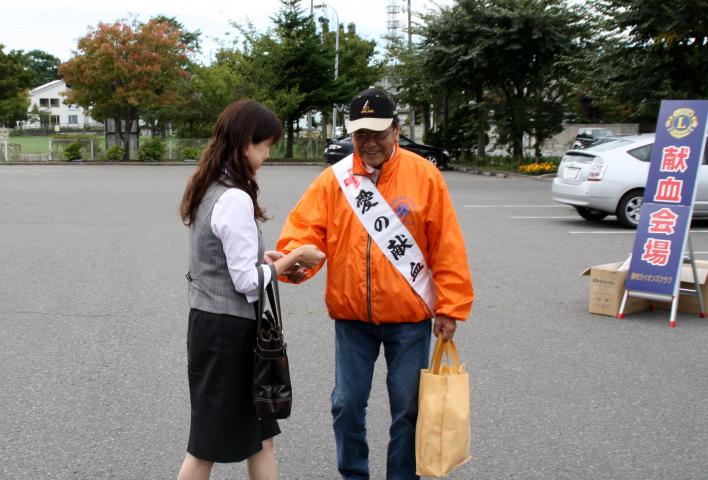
x,y
233,222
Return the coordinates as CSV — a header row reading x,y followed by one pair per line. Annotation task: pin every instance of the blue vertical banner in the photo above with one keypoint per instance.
x,y
665,216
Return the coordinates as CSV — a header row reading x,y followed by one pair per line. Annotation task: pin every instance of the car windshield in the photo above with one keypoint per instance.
x,y
605,146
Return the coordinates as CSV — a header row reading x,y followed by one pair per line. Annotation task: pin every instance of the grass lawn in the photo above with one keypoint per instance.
x,y
31,144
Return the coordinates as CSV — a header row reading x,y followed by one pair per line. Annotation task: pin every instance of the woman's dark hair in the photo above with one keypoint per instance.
x,y
241,124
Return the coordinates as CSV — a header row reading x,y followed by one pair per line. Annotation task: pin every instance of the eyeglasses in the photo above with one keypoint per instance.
x,y
377,136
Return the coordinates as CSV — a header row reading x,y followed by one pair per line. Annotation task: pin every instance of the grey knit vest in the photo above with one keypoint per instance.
x,y
210,286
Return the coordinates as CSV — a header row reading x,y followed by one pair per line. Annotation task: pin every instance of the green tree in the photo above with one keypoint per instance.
x,y
15,81
304,74
450,69
651,51
42,66
359,67
207,91
258,62
413,85
507,56
539,35
290,67
286,68
122,70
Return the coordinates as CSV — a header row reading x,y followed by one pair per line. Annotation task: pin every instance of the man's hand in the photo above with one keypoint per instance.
x,y
445,326
296,274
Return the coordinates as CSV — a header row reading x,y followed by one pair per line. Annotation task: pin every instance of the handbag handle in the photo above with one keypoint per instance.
x,y
449,349
273,297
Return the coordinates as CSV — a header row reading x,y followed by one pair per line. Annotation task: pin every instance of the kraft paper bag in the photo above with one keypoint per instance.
x,y
442,437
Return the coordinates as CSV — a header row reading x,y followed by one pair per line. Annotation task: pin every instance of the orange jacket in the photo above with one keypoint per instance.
x,y
361,282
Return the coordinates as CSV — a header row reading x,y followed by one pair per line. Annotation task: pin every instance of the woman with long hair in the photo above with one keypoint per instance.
x,y
220,207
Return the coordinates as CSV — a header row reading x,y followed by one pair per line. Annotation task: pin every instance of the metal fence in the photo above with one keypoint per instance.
x,y
177,149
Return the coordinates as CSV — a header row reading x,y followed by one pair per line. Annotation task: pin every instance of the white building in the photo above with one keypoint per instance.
x,y
47,98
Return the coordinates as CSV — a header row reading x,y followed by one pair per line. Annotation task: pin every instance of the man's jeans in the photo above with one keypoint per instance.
x,y
406,348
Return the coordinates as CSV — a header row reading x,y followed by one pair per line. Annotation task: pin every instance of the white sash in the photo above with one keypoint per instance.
x,y
386,229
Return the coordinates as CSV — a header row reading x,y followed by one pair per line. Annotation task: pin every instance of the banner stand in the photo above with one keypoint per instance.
x,y
674,299
662,243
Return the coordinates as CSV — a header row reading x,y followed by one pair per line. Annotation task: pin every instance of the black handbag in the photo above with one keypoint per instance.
x,y
272,391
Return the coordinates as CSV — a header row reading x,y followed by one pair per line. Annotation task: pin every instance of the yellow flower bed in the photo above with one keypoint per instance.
x,y
538,168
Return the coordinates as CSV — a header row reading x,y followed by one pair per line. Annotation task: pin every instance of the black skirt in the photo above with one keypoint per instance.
x,y
224,425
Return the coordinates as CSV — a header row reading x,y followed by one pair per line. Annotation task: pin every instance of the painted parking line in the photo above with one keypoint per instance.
x,y
516,206
34,171
574,217
603,232
617,232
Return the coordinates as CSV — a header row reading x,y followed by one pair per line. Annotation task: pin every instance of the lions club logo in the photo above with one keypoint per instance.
x,y
366,108
404,206
681,123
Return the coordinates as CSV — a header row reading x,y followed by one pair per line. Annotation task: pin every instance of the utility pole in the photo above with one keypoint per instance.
x,y
336,74
336,65
411,112
410,33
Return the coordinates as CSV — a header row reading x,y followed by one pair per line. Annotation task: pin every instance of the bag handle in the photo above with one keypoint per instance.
x,y
273,297
449,349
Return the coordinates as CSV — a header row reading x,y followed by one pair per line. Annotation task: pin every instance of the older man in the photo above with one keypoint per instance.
x,y
397,259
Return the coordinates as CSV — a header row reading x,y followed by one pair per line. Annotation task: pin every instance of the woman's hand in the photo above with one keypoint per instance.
x,y
295,273
294,264
271,256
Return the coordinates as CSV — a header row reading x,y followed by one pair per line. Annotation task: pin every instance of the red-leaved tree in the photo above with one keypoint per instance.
x,y
123,69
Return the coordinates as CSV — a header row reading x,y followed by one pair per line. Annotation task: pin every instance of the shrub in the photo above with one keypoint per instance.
x,y
73,151
151,149
115,153
191,153
538,168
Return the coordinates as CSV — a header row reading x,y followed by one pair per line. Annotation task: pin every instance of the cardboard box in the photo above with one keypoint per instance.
x,y
688,303
607,289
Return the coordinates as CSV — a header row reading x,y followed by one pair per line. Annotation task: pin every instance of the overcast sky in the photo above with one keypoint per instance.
x,y
55,26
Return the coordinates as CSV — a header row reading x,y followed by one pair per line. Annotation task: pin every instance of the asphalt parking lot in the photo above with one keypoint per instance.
x,y
93,318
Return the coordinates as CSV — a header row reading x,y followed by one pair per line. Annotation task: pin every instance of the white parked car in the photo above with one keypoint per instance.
x,y
609,179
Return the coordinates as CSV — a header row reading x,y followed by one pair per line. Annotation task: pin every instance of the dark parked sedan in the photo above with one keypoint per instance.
x,y
338,149
590,136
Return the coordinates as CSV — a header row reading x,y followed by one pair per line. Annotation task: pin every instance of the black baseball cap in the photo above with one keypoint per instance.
x,y
370,109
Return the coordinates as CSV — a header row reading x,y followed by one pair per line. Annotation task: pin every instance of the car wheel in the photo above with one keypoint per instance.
x,y
432,158
628,208
591,213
